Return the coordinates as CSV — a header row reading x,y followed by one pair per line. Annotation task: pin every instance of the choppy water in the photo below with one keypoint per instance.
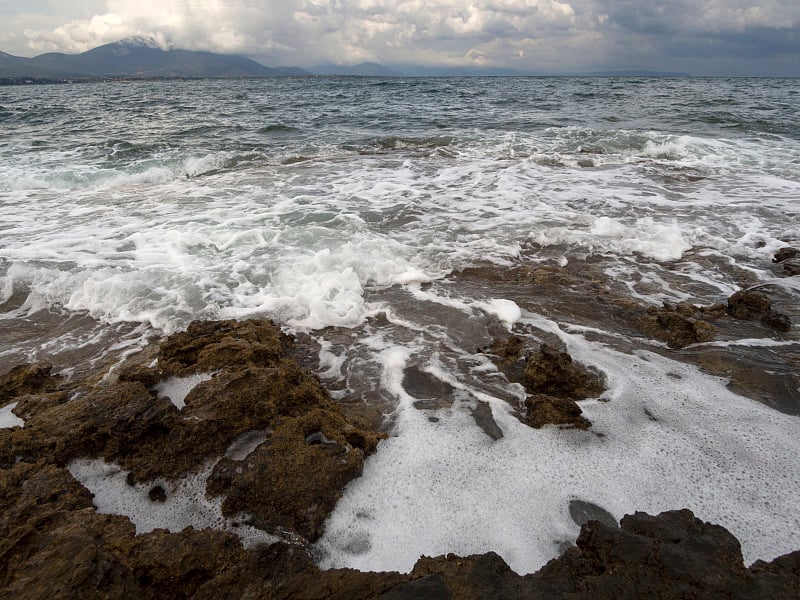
x,y
345,209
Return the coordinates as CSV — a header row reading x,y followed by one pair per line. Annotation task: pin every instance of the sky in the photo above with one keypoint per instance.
x,y
701,37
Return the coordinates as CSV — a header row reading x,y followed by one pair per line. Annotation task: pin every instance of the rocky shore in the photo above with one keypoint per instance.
x,y
279,451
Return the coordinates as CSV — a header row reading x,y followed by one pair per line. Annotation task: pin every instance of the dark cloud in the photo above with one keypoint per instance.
x,y
536,35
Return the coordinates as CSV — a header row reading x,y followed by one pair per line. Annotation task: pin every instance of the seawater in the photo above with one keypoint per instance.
x,y
346,208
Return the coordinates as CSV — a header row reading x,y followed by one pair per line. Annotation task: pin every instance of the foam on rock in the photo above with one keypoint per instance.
x,y
175,506
665,435
8,419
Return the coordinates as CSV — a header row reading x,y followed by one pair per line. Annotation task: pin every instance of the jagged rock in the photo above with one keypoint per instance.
x,y
507,355
207,346
293,480
27,379
553,373
658,556
254,388
551,410
785,253
679,324
752,305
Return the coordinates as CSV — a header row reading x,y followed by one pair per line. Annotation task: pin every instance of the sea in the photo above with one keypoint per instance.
x,y
397,227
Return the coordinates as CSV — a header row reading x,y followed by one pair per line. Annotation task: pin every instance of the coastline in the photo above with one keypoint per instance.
x,y
258,407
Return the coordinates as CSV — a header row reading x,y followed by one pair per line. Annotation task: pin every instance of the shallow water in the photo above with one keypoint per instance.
x,y
382,221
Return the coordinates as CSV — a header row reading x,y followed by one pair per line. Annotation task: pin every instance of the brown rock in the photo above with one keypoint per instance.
x,y
207,346
791,267
550,410
27,379
754,305
293,480
785,253
552,372
748,305
678,325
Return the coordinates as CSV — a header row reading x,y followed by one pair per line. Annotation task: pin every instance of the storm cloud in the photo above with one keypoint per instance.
x,y
703,37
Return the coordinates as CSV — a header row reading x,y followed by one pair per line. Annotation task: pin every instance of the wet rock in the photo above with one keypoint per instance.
x,y
551,410
423,385
755,305
255,388
791,267
658,556
680,324
785,253
507,355
293,480
27,379
29,406
207,346
157,494
554,373
582,512
482,413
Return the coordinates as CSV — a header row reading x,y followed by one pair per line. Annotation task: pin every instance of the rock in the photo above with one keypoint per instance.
x,y
482,413
551,410
748,305
207,346
553,373
791,267
658,556
506,353
27,379
293,480
785,253
752,305
679,324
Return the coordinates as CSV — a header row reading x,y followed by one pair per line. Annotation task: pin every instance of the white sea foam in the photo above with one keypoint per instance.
x,y
8,419
177,388
672,437
186,504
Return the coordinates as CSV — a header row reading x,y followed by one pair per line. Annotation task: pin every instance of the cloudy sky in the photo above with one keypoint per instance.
x,y
734,37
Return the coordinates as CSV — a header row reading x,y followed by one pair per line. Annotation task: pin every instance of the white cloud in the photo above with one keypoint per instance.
x,y
525,34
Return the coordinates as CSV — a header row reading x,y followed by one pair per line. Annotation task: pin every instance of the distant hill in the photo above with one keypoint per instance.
x,y
138,58
367,69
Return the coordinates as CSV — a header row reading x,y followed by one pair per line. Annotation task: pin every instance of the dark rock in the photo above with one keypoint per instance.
x,y
157,494
430,587
422,385
507,355
553,373
791,267
777,321
785,254
482,413
680,324
582,512
749,305
656,557
551,410
27,379
755,305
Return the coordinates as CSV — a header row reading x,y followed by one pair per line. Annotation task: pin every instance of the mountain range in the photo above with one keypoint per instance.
x,y
136,58
143,58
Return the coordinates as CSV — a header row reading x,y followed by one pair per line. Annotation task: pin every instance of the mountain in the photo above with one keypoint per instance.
x,y
367,69
139,58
